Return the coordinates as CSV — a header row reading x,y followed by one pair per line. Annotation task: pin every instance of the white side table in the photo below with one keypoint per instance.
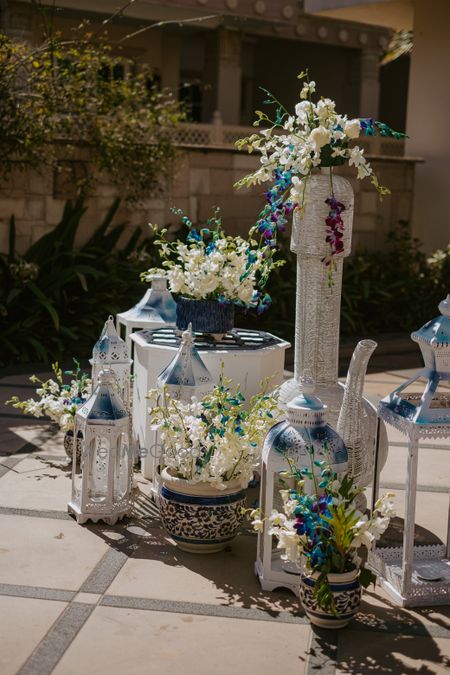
x,y
413,575
248,357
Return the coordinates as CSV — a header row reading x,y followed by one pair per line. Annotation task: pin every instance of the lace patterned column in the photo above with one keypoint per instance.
x,y
318,306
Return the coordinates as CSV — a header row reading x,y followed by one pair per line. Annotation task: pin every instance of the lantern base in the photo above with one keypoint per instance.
x,y
430,581
277,576
111,518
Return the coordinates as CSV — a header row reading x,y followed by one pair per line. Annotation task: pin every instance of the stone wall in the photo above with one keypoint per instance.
x,y
203,179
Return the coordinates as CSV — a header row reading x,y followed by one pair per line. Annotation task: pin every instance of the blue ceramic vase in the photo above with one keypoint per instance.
x,y
346,591
206,316
199,517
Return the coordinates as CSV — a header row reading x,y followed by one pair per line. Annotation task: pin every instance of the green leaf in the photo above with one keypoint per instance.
x,y
48,306
39,348
83,281
12,240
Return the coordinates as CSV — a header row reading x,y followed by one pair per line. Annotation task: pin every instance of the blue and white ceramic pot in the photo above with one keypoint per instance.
x,y
68,445
199,517
206,316
346,590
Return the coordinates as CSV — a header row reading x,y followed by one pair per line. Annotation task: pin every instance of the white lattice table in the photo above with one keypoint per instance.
x,y
248,357
412,575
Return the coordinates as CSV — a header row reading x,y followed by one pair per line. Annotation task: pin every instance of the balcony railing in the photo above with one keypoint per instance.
x,y
224,136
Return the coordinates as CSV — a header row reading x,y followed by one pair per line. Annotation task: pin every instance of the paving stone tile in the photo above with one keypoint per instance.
x,y
23,624
47,552
37,484
136,641
43,660
391,654
54,445
378,610
20,432
158,569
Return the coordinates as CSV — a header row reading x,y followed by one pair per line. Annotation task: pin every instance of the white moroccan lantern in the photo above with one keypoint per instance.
x,y
156,309
288,444
101,485
185,376
419,574
111,352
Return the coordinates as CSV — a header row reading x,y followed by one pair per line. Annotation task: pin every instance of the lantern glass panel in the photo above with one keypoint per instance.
x,y
77,467
98,469
76,482
122,469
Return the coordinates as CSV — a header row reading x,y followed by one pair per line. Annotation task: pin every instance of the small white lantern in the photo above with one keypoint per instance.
x,y
156,309
288,444
111,352
413,574
101,484
184,377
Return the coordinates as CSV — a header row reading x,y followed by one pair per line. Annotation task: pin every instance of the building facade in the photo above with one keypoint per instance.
x,y
216,55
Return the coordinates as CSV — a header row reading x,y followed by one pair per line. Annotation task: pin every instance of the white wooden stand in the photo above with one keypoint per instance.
x,y
253,357
412,575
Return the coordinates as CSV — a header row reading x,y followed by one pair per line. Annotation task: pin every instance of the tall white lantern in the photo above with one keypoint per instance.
x,y
184,377
101,484
111,352
288,444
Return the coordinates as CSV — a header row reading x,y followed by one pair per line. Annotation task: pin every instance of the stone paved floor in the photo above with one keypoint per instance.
x,y
106,600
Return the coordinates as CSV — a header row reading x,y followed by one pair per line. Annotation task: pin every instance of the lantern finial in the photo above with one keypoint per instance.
x,y
307,382
106,376
444,306
187,338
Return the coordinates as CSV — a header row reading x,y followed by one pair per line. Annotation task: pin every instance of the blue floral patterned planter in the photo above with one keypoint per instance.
x,y
206,316
346,590
198,517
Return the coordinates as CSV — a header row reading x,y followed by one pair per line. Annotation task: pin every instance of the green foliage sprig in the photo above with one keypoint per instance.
x,y
64,93
216,439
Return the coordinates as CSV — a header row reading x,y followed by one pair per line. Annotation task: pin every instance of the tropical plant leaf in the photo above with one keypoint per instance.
x,y
12,240
45,303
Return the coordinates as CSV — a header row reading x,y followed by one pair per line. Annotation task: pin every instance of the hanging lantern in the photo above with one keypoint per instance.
x,y
111,352
185,376
156,309
101,484
293,442
419,575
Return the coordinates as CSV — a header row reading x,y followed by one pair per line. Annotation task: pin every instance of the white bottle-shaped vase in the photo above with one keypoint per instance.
x,y
350,424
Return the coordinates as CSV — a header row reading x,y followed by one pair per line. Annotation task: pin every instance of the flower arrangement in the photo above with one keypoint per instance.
x,y
321,532
213,440
292,146
213,266
57,400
